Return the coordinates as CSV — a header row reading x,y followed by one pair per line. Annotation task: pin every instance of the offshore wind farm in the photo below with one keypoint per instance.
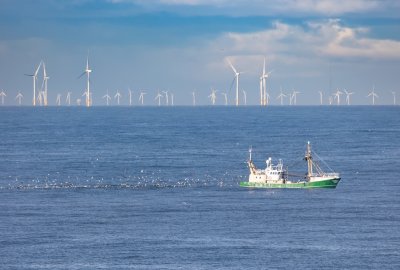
x,y
231,97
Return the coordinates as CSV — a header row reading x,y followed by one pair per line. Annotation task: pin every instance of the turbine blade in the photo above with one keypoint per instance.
x,y
233,68
82,74
44,71
264,67
37,69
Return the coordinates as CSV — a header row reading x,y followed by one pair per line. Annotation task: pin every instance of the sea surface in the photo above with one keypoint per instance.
x,y
158,188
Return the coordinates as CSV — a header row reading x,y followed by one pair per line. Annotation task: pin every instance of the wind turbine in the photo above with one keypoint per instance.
x,y
2,95
213,96
394,97
373,94
108,98
330,100
159,96
281,96
263,86
244,97
348,94
320,97
68,98
19,97
237,74
117,96
130,96
34,77
172,99
141,97
58,100
194,98
337,96
45,79
87,72
294,97
166,97
225,97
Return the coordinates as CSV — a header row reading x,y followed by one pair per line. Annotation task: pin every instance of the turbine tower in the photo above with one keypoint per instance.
x,y
58,100
117,96
373,95
2,95
130,96
172,99
293,97
40,98
194,98
68,98
337,96
330,100
225,97
166,97
320,97
348,94
263,86
267,97
45,79
108,98
237,74
141,97
19,97
87,72
159,96
213,96
281,96
394,97
34,77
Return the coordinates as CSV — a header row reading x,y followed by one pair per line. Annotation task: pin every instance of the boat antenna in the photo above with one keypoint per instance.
x,y
250,151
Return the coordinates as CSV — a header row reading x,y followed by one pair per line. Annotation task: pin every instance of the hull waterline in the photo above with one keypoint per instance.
x,y
328,183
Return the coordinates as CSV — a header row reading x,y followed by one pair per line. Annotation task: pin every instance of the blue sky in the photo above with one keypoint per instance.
x,y
184,45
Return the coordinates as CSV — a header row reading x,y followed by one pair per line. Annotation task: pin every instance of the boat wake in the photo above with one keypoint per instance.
x,y
130,182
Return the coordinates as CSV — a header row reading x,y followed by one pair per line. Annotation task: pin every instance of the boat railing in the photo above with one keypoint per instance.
x,y
331,174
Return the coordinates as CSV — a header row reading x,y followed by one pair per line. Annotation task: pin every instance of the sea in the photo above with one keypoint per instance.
x,y
158,188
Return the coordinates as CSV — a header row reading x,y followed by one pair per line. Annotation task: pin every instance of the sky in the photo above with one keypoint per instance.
x,y
183,46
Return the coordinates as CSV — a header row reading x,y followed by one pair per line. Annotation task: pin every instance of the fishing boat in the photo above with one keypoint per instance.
x,y
276,176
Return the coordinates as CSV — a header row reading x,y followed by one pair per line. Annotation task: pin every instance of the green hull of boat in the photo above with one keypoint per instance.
x,y
329,183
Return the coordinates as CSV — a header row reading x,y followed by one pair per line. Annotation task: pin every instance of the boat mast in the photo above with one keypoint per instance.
x,y
250,163
308,158
250,151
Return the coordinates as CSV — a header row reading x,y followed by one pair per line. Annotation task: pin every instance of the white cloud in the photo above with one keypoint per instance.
x,y
317,39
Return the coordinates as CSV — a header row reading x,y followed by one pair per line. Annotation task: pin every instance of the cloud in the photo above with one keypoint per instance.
x,y
274,7
333,7
328,38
